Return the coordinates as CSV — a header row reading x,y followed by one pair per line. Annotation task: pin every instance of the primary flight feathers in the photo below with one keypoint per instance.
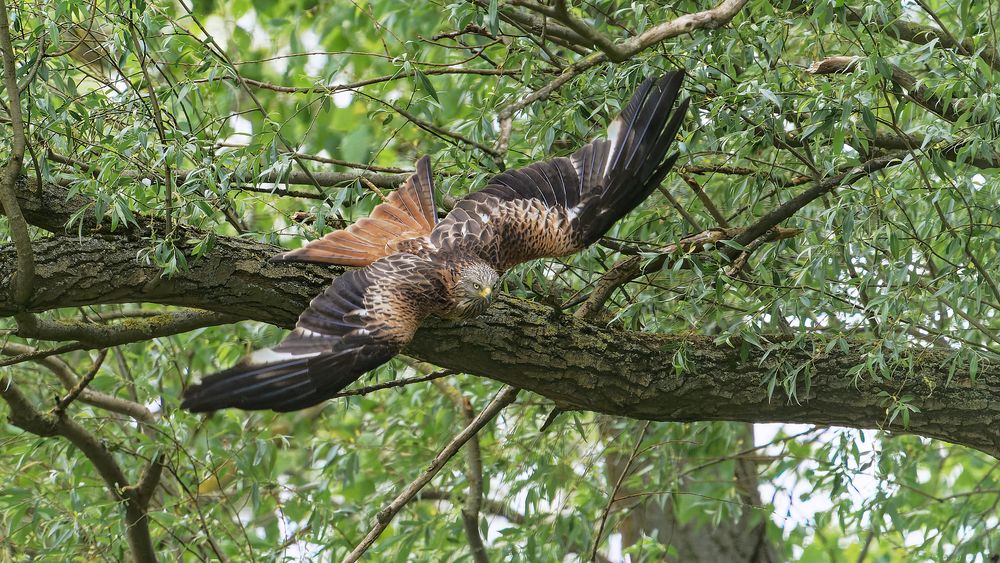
x,y
416,267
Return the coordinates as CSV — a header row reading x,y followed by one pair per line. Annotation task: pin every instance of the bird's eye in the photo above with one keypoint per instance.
x,y
476,286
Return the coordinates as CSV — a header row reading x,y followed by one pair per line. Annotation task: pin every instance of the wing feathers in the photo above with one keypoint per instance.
x,y
367,316
563,205
360,322
407,213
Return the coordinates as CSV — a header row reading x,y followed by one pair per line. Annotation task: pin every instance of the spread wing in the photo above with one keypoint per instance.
x,y
360,322
407,213
560,206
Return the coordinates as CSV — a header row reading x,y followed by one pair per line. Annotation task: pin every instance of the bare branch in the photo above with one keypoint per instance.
x,y
618,275
708,19
69,380
473,474
506,115
680,208
720,219
26,417
948,150
903,80
385,516
104,336
350,86
619,52
113,334
631,268
923,34
60,407
791,206
614,492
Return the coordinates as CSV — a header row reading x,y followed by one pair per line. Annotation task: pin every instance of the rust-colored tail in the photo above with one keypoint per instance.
x,y
407,213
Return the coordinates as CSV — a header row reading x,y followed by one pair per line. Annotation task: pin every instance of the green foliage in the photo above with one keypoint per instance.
x,y
903,257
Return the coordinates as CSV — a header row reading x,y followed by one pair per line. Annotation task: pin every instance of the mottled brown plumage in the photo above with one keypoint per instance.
x,y
416,267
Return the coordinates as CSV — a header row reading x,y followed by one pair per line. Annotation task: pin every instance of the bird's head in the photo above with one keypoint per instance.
x,y
476,284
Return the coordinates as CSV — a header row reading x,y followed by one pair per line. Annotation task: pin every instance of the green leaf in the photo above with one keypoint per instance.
x,y
425,84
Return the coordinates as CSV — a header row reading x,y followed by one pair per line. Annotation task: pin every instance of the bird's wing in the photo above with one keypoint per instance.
x,y
407,213
360,322
560,206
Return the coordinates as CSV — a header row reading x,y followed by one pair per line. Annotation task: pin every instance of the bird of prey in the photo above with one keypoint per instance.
x,y
414,266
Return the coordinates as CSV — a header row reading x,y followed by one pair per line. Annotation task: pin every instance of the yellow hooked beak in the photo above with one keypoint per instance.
x,y
485,292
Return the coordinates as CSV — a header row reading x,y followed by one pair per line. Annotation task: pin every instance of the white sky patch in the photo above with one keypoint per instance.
x,y
704,117
241,125
242,129
393,95
216,27
787,492
343,99
279,65
315,63
260,38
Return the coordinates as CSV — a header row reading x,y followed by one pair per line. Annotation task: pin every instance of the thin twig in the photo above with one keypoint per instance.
x,y
680,208
334,88
161,132
60,407
28,418
821,187
473,475
394,383
385,516
700,193
69,380
614,492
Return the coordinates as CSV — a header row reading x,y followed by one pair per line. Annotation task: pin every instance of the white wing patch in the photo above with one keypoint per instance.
x,y
614,130
268,356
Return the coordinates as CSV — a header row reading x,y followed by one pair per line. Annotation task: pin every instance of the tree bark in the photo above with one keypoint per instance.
x,y
576,364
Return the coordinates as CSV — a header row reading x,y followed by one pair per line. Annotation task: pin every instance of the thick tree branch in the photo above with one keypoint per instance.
x,y
12,170
578,365
575,363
